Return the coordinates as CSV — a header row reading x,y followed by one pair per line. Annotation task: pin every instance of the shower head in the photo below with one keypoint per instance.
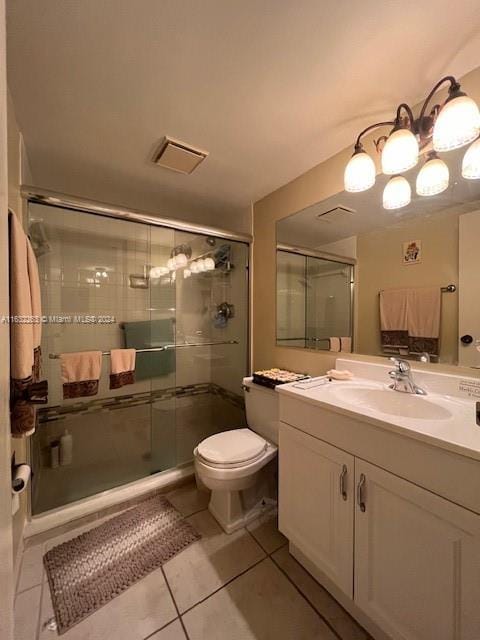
x,y
210,241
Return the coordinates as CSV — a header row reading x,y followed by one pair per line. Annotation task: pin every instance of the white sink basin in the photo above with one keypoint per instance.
x,y
393,402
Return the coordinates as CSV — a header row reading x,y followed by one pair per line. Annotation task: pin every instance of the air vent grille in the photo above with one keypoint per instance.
x,y
178,156
336,214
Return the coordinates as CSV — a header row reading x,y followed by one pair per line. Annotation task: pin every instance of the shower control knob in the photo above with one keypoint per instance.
x,y
466,339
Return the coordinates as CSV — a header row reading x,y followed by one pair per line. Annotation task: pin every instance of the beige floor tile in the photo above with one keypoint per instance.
x,y
173,631
27,606
261,604
266,533
31,571
211,562
133,615
188,499
319,597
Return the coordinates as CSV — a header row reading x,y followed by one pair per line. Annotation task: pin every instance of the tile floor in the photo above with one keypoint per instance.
x,y
244,586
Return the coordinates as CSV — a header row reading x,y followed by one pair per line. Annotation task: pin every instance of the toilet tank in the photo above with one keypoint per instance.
x,y
261,406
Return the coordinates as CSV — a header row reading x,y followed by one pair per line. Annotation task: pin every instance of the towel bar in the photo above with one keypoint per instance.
x,y
165,347
450,288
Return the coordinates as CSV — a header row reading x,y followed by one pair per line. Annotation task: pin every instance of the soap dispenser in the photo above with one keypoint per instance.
x,y
66,447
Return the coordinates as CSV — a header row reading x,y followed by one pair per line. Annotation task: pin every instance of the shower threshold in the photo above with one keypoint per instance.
x,y
88,506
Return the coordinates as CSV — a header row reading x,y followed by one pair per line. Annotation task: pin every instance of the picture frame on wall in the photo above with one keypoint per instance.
x,y
412,252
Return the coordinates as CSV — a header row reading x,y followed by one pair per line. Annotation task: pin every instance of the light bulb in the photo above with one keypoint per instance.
x,y
397,193
360,172
181,260
201,265
400,152
187,273
209,264
156,272
471,162
457,124
171,264
433,177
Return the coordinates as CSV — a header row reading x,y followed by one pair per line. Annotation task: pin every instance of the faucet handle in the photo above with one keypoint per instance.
x,y
403,366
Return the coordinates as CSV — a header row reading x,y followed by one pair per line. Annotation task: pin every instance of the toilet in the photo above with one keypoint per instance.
x,y
239,466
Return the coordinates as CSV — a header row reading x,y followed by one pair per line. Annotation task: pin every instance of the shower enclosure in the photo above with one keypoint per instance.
x,y
181,300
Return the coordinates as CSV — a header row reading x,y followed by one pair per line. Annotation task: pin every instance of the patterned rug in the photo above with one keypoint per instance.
x,y
90,570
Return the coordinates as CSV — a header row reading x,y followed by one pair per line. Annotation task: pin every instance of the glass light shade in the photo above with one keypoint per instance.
x,y
201,265
156,272
457,124
471,162
397,193
186,273
400,152
432,178
359,173
209,264
181,260
194,267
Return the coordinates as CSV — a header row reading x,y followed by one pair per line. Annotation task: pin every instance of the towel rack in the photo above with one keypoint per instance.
x,y
450,288
165,347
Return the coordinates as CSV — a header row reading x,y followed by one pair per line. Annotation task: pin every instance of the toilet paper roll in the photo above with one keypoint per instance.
x,y
20,478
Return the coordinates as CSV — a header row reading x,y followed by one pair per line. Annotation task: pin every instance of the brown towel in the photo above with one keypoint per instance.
x,y
122,367
25,332
393,318
423,319
80,373
410,320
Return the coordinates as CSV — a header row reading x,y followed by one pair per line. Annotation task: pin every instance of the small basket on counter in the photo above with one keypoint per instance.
x,y
272,377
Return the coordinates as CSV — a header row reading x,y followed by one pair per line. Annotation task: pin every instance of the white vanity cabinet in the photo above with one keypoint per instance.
x,y
408,559
316,479
417,559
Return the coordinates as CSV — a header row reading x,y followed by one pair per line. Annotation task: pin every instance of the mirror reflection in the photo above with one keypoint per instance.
x,y
385,282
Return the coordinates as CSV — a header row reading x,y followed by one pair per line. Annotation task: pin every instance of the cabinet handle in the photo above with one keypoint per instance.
x,y
360,492
343,477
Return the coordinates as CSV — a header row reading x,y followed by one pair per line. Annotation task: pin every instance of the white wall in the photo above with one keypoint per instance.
x,y
6,552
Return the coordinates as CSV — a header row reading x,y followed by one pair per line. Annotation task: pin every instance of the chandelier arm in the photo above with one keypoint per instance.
x,y
358,144
454,86
409,111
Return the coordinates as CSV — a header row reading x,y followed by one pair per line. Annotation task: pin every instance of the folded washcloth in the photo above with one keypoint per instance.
x,y
80,373
346,344
335,344
336,374
122,367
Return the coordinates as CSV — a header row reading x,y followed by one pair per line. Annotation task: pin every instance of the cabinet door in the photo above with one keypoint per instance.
x,y
316,483
417,559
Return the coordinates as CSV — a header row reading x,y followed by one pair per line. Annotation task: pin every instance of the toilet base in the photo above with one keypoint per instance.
x,y
235,509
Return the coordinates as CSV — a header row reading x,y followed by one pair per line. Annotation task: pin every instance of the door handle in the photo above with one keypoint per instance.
x,y
361,492
343,478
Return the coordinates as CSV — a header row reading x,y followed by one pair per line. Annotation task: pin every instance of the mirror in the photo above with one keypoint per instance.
x,y
353,276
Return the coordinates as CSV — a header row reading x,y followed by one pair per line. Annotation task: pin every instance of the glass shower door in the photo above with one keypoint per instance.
x,y
96,295
211,310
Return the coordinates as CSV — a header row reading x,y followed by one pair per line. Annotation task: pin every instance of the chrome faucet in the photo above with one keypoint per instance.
x,y
402,378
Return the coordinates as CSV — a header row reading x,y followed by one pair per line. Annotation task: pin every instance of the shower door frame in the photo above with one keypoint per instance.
x,y
55,517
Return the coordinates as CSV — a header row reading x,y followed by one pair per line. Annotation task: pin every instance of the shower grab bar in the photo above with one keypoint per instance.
x,y
166,347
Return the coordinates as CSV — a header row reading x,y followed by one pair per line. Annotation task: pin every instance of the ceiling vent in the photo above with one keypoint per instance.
x,y
178,156
337,214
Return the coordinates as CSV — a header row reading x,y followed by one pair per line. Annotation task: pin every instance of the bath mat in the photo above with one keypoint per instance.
x,y
90,570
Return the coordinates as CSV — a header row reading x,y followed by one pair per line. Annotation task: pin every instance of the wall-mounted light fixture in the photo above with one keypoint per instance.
x,y
449,126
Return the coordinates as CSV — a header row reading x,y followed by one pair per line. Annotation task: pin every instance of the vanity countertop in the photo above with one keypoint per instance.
x,y
445,421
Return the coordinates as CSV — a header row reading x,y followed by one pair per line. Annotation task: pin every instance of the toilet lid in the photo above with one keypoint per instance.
x,y
231,447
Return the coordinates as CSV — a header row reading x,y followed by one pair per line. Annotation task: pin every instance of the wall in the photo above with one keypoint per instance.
x,y
319,183
380,267
6,560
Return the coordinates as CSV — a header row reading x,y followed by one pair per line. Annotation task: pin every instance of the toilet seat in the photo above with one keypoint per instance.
x,y
232,449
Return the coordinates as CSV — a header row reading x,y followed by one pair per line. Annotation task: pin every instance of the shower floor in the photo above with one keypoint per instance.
x,y
112,447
